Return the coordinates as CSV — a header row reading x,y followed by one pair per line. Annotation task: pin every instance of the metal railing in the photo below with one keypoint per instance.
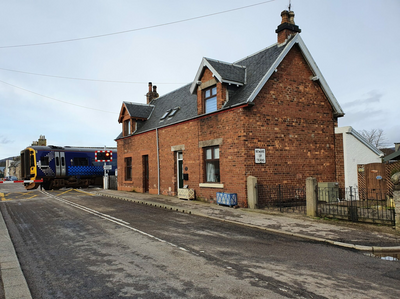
x,y
282,198
361,205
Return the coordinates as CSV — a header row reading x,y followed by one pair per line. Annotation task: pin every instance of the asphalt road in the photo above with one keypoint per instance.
x,y
72,244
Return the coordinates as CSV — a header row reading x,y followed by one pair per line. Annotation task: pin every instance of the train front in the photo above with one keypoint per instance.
x,y
28,167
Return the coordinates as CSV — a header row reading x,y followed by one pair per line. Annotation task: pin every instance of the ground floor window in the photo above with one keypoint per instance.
x,y
211,155
128,169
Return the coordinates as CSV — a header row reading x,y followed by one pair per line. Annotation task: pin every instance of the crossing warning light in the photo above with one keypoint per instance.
x,y
103,156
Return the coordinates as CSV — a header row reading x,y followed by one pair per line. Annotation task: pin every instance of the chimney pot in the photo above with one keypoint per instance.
x,y
152,94
291,17
287,26
285,16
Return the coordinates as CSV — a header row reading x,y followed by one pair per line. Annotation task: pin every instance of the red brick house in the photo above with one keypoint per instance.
x,y
205,134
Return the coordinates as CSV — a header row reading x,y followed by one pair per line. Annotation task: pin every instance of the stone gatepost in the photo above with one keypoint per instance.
x,y
311,197
252,201
396,200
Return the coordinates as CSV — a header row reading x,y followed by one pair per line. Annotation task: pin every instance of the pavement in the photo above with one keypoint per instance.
x,y
368,238
12,278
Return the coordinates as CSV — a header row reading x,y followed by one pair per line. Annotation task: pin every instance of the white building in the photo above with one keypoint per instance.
x,y
356,150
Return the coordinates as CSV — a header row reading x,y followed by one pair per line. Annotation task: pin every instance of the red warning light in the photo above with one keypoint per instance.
x,y
103,156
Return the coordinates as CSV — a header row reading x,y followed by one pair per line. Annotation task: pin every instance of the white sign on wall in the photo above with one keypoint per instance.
x,y
260,155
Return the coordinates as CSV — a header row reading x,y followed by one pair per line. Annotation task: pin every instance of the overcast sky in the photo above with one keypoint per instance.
x,y
354,43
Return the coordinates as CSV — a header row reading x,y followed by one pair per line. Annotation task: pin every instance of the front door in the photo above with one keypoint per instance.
x,y
179,172
145,162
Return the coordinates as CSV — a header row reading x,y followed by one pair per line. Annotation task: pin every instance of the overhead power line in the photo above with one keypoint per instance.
x,y
54,99
136,29
85,79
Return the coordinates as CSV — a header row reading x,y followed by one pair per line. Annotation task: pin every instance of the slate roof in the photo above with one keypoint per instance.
x,y
139,110
180,98
228,72
392,156
252,72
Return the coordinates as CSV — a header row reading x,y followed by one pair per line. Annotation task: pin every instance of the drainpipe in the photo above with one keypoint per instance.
x,y
158,163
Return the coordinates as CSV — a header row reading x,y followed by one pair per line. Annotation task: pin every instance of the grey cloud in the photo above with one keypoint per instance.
x,y
4,140
371,97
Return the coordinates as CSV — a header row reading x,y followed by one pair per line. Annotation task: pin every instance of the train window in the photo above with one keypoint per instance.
x,y
44,161
57,161
81,162
62,161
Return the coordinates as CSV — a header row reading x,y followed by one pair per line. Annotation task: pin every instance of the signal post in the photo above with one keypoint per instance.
x,y
104,156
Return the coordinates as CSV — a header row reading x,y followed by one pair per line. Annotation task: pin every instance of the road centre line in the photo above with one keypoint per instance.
x,y
111,219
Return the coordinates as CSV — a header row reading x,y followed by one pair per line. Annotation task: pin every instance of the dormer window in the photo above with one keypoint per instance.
x,y
127,127
210,99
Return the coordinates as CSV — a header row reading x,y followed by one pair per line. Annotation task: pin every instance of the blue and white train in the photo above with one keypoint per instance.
x,y
66,166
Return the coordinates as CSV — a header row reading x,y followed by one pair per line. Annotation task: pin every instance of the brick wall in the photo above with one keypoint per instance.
x,y
339,153
187,134
292,119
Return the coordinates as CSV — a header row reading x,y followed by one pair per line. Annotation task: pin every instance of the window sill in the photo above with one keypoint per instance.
x,y
211,185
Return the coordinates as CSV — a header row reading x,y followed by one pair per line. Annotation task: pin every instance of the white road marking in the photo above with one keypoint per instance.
x,y
111,219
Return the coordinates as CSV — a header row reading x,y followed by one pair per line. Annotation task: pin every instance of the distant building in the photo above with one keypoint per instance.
x,y
41,141
356,150
13,168
395,155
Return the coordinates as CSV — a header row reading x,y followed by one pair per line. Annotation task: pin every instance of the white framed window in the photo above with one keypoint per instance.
x,y
210,99
211,159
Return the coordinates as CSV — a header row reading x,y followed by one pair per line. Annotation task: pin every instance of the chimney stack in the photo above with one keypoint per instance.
x,y
152,94
287,26
396,146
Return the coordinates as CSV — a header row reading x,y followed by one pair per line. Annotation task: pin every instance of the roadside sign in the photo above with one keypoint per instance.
x,y
107,167
259,155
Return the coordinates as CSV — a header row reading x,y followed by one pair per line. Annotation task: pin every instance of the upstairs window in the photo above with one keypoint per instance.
x,y
127,127
210,99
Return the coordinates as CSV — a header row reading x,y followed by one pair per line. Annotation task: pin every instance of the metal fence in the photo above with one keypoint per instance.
x,y
360,205
282,198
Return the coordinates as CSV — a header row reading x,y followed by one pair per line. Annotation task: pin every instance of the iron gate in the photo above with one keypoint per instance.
x,y
359,205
